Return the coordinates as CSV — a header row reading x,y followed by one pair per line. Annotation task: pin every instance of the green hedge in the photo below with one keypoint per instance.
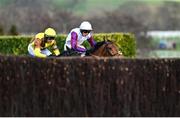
x,y
17,45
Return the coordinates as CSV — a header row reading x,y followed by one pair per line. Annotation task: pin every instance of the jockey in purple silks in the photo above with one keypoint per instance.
x,y
77,36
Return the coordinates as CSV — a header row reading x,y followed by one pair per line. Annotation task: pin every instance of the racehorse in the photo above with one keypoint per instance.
x,y
104,49
101,49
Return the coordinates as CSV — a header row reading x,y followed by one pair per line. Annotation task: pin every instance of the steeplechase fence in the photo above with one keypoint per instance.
x,y
75,86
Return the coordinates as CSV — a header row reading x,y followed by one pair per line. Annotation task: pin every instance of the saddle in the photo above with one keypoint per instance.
x,y
70,52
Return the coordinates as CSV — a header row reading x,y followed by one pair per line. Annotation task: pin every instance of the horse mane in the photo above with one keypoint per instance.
x,y
97,46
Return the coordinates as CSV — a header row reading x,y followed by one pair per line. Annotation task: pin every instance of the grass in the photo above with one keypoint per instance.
x,y
3,2
155,41
165,53
93,6
89,5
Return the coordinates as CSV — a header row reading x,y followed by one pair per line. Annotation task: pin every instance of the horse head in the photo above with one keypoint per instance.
x,y
111,49
105,49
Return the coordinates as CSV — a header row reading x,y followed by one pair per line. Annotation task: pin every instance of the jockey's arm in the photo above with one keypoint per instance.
x,y
92,41
74,43
55,49
37,48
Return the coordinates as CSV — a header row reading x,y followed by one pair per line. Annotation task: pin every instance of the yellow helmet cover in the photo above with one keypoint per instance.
x,y
50,32
39,36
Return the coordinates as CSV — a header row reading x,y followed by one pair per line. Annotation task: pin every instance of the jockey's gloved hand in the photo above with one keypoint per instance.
x,y
83,54
58,55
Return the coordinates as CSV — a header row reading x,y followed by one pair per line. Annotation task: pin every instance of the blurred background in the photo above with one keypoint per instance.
x,y
155,23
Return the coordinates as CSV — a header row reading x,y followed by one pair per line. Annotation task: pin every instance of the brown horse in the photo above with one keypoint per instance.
x,y
104,49
101,49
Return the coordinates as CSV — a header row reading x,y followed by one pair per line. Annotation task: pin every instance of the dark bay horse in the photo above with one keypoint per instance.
x,y
101,49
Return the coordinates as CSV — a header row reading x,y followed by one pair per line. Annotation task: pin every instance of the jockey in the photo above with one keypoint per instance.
x,y
77,36
39,44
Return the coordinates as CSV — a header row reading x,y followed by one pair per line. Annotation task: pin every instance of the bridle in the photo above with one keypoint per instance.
x,y
103,50
107,49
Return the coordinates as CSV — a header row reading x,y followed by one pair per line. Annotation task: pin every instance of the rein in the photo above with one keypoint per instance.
x,y
104,49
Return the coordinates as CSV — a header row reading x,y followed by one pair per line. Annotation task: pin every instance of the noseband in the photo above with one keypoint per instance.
x,y
107,50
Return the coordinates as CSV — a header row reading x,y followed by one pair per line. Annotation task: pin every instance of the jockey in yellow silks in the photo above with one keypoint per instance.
x,y
40,43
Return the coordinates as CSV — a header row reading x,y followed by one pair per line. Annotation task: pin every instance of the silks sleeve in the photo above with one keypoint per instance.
x,y
56,52
55,49
74,43
92,41
38,53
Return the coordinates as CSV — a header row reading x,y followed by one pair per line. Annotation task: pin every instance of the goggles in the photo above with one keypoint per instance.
x,y
85,31
49,38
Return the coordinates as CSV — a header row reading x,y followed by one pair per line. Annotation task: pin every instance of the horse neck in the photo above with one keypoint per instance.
x,y
100,51
97,46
